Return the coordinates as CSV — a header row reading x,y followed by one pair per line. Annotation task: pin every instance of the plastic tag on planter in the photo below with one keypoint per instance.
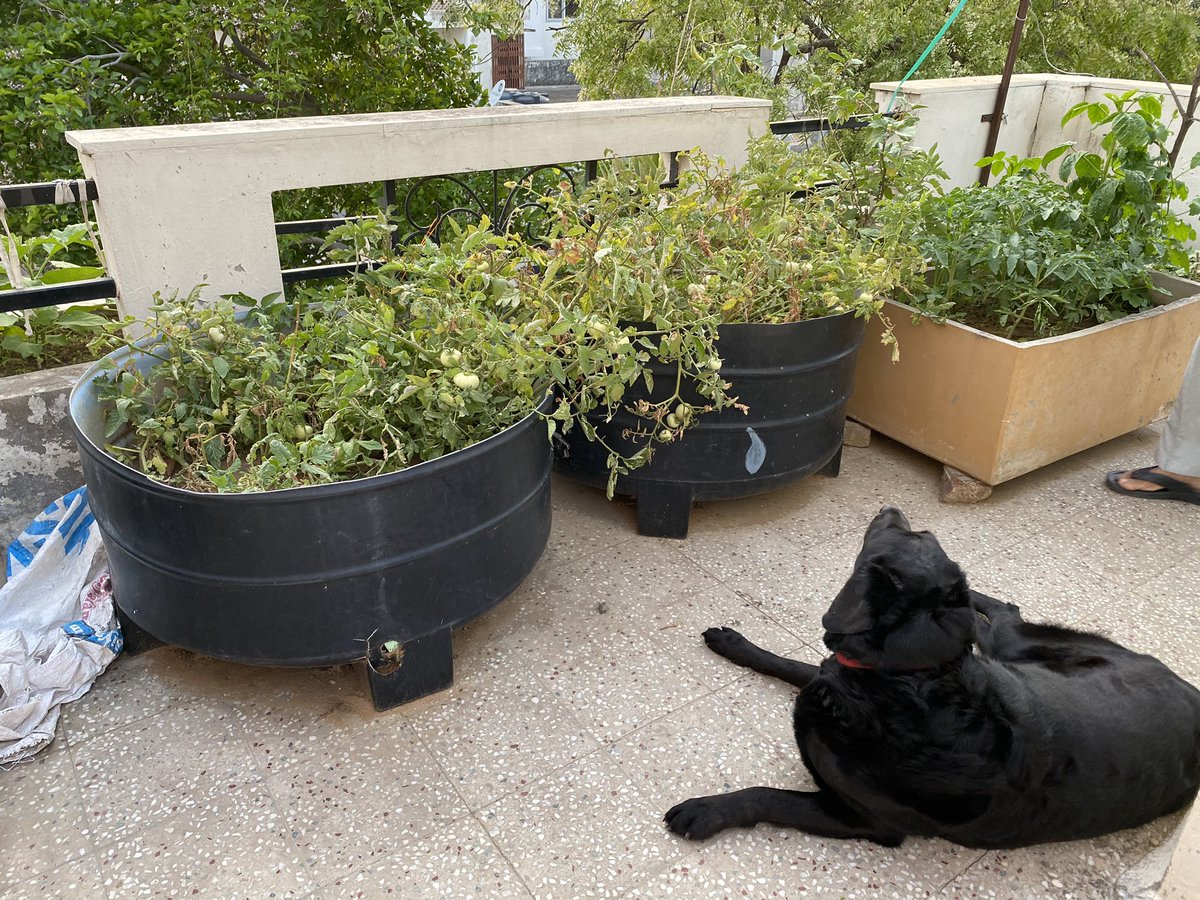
x,y
58,625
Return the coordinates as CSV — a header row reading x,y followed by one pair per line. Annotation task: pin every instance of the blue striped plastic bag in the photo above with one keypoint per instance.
x,y
58,626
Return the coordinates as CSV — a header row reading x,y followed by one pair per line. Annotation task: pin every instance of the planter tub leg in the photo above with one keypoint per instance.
x,y
425,666
834,466
856,435
663,510
135,638
959,487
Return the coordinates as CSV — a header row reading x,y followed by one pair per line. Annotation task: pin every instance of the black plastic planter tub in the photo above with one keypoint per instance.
x,y
325,574
796,380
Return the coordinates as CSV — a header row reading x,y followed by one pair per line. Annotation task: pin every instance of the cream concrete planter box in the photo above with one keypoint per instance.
x,y
996,408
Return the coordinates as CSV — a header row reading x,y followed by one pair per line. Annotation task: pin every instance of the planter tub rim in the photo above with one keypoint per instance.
x,y
277,495
1156,310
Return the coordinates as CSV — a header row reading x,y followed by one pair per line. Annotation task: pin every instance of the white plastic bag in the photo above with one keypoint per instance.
x,y
58,625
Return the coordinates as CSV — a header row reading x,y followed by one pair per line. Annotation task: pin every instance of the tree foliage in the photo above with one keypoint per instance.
x,y
69,64
645,47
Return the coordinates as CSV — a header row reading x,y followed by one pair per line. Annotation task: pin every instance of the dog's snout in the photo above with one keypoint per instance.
x,y
892,514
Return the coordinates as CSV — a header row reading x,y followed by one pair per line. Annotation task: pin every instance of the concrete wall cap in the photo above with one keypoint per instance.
x,y
212,134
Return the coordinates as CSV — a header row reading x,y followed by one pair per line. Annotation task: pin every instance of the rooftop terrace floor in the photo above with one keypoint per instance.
x,y
585,706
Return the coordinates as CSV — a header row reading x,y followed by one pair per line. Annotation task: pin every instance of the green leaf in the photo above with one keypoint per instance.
x,y
1075,112
1089,165
221,366
71,273
1131,130
78,318
1102,200
1151,105
17,344
1068,166
1137,187
1054,153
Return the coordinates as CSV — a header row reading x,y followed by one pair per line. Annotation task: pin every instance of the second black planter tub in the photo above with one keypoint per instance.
x,y
381,568
796,380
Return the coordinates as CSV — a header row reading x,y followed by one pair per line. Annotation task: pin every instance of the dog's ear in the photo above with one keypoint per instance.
x,y
883,576
851,611
929,638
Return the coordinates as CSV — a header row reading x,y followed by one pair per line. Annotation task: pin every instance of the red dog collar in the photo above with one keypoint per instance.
x,y
850,663
858,664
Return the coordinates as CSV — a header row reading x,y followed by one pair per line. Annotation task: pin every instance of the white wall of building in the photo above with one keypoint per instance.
x,y
951,111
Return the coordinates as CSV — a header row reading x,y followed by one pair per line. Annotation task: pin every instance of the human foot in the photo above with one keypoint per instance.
x,y
1155,484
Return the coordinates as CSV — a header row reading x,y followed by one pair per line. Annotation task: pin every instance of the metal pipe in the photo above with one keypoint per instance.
x,y
997,116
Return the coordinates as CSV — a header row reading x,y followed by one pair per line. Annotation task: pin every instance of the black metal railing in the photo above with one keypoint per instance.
x,y
817,125
503,204
500,207
52,193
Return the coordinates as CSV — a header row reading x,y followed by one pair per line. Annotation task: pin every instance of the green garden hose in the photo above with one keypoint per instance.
x,y
920,59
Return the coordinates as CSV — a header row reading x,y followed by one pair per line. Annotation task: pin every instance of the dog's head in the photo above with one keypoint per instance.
x,y
906,604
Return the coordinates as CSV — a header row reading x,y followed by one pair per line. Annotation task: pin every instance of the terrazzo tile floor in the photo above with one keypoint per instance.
x,y
584,706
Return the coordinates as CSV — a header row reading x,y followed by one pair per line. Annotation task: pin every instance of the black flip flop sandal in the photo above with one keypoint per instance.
x,y
1173,488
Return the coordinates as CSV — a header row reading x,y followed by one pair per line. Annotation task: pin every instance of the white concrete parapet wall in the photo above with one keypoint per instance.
x,y
182,205
953,108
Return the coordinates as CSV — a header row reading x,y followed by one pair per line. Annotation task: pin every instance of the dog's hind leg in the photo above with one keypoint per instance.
x,y
815,812
734,647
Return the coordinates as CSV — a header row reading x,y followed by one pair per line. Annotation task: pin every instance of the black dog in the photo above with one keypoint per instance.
x,y
1045,734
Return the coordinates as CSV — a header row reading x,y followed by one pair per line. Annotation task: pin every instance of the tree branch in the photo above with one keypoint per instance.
x,y
236,97
1161,77
818,30
120,54
231,33
1187,116
784,58
128,69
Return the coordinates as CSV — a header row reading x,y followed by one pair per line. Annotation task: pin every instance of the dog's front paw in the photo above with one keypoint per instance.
x,y
696,819
990,606
728,643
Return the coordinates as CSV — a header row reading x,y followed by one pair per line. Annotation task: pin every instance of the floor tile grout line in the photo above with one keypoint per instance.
x,y
964,871
583,550
126,726
90,854
605,747
746,601
94,848
288,831
501,851
473,808
321,885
